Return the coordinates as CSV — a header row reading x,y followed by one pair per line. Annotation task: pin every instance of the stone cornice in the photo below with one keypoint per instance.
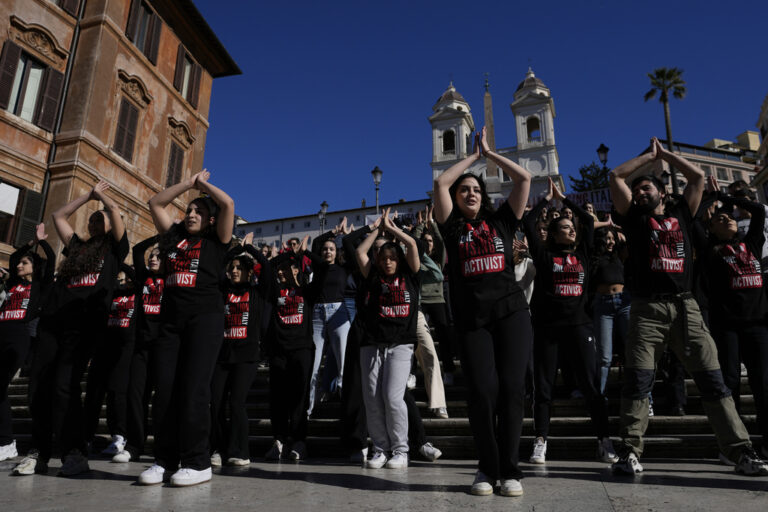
x,y
39,40
134,87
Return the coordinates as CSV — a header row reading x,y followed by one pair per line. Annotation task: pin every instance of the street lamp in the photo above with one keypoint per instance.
x,y
321,216
602,154
376,172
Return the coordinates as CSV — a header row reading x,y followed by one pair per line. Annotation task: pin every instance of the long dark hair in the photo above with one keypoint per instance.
x,y
399,253
84,258
168,241
456,219
552,228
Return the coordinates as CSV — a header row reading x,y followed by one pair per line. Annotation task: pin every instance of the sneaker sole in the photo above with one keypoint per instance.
x,y
481,492
148,484
539,462
511,494
189,485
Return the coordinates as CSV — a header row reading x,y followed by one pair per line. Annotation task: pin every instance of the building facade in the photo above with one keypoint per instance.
x,y
535,149
760,181
117,90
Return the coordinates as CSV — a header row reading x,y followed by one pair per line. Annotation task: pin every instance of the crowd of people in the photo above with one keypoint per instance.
x,y
518,291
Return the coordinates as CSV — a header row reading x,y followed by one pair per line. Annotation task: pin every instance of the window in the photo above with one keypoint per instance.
x,y
19,212
144,29
175,165
277,228
737,175
257,231
28,88
357,218
722,173
307,224
186,80
449,142
125,135
534,129
707,169
292,225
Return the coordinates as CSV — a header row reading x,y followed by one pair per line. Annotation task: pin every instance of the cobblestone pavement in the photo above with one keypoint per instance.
x,y
335,486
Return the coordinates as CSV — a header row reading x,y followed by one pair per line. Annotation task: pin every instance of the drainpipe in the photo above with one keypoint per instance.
x,y
60,112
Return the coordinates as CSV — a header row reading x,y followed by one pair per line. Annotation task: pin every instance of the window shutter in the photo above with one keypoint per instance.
x,y
122,121
133,20
9,61
70,6
130,131
31,212
153,45
178,77
195,85
49,104
175,163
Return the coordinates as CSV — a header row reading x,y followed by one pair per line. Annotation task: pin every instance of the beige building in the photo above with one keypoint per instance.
x,y
105,89
760,181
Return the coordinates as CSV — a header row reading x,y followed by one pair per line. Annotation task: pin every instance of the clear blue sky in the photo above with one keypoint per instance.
x,y
331,89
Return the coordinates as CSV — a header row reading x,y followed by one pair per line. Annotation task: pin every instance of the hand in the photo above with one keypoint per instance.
x,y
712,184
376,224
4,274
430,214
248,240
484,141
192,180
419,219
303,246
550,190
556,193
622,238
201,179
386,222
40,233
273,252
658,150
476,146
349,229
98,190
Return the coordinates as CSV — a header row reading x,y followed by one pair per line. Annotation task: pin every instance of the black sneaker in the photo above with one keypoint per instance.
x,y
627,464
750,464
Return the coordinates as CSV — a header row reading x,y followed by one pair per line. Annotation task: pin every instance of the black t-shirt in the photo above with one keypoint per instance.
x,y
244,305
607,269
121,323
24,299
482,270
91,289
391,308
291,325
660,251
735,277
194,271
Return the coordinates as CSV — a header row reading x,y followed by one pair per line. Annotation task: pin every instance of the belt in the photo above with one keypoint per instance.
x,y
678,298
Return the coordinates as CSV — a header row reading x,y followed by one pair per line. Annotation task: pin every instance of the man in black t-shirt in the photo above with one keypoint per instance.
x,y
664,310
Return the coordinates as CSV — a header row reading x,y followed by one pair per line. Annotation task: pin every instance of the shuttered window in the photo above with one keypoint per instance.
x,y
70,6
28,88
144,26
186,80
175,165
125,135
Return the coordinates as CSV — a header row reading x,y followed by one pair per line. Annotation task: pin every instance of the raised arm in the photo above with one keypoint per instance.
x,y
361,253
620,191
531,218
442,196
61,216
412,256
163,221
139,251
521,178
115,219
225,222
695,176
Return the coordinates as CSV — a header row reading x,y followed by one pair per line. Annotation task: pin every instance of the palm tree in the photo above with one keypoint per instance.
x,y
666,81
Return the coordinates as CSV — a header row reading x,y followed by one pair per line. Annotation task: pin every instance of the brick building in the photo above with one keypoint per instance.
x,y
112,89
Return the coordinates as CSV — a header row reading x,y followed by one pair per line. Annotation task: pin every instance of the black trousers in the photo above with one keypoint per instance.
x,y
229,392
438,316
290,372
494,359
14,345
416,434
140,385
577,346
182,361
108,376
748,344
354,434
41,374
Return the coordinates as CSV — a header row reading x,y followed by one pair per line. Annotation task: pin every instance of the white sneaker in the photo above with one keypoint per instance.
x,y
116,446
511,487
399,460
440,412
605,451
30,465
275,451
628,464
750,464
234,461
411,383
359,456
216,459
377,461
123,456
74,464
298,451
539,455
187,476
482,486
429,452
8,451
152,475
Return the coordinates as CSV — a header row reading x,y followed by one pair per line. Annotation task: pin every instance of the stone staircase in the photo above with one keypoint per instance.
x,y
571,435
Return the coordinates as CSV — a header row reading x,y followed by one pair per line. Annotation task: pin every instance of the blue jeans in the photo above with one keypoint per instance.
x,y
330,322
611,318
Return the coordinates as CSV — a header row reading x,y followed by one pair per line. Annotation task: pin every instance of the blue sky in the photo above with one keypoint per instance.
x,y
331,89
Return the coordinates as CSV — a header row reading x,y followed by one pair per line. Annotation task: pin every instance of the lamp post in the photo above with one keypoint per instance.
x,y
321,216
376,172
602,154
